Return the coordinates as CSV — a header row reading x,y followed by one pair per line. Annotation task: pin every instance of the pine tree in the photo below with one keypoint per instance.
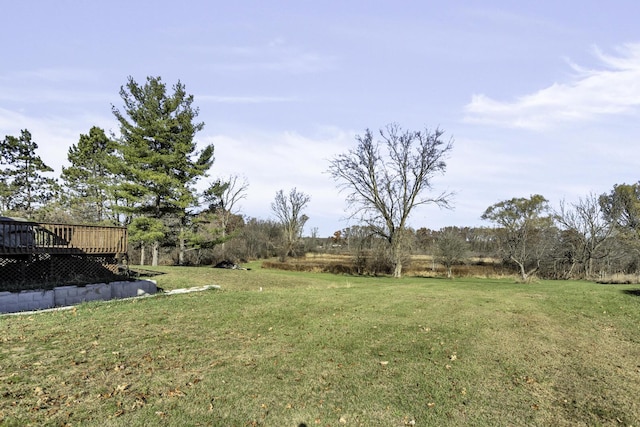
x,y
23,187
89,179
160,162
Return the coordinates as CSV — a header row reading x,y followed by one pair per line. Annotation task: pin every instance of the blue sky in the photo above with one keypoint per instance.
x,y
539,97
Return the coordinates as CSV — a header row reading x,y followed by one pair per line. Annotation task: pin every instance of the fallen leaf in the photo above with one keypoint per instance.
x,y
176,392
122,387
139,403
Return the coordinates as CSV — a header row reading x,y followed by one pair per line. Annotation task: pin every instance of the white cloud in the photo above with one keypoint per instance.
x,y
614,88
273,161
53,134
12,122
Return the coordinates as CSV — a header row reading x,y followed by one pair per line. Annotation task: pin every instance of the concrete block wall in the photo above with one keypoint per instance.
x,y
66,295
14,302
11,302
133,289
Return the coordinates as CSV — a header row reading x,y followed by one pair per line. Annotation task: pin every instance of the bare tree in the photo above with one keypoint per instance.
x,y
585,222
288,209
452,249
386,179
223,197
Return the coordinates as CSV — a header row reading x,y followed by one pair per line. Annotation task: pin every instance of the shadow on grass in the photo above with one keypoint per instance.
x,y
142,272
634,292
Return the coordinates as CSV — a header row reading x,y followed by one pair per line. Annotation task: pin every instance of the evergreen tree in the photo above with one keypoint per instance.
x,y
89,179
143,231
23,187
159,159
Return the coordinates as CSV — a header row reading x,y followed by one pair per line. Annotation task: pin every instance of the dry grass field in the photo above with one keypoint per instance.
x,y
418,266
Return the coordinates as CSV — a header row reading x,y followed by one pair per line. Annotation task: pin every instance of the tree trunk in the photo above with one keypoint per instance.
x,y
589,271
182,248
155,253
142,254
396,255
224,235
569,273
397,269
523,272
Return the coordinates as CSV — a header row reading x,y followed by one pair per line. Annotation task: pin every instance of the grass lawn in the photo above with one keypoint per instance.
x,y
324,350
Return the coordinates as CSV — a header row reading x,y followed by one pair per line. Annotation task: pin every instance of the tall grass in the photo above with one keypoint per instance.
x,y
281,348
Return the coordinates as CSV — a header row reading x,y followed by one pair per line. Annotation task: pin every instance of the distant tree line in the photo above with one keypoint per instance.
x,y
593,238
145,178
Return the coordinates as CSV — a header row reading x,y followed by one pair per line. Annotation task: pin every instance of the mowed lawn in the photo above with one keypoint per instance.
x,y
280,348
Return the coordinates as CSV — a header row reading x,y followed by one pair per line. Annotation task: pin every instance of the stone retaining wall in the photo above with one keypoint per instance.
x,y
13,302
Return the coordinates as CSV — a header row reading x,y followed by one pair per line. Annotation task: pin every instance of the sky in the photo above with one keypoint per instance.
x,y
538,97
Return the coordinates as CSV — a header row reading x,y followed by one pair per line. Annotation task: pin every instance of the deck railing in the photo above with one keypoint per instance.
x,y
24,237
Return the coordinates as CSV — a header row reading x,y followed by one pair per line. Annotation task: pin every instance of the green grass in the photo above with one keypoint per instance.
x,y
318,349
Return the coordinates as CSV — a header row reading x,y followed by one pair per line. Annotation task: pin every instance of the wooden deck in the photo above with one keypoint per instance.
x,y
23,238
